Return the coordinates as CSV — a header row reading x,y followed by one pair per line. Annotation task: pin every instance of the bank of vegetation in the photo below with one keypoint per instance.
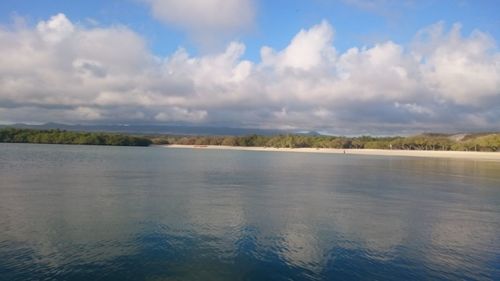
x,y
13,135
471,142
463,142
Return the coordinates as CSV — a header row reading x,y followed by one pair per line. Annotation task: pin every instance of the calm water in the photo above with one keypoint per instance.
x,y
124,213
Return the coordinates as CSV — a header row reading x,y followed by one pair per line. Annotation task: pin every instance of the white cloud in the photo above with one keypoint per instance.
x,y
308,49
181,114
55,29
59,71
462,70
206,20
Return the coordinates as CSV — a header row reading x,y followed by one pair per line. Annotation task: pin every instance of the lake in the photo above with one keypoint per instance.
x,y
130,213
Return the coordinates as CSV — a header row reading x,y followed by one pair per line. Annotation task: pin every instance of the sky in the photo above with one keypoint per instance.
x,y
341,67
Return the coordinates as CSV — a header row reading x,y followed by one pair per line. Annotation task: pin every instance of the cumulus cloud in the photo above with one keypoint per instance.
x,y
205,20
307,50
55,29
62,72
463,70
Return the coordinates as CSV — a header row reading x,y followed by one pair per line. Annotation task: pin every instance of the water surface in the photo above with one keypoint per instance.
x,y
129,213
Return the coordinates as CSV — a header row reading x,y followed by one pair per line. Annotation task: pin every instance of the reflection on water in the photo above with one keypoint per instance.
x,y
123,213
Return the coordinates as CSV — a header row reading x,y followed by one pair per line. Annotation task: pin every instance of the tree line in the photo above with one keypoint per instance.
x,y
472,142
13,135
486,142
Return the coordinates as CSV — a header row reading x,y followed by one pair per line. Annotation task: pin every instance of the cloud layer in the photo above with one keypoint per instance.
x,y
205,20
442,81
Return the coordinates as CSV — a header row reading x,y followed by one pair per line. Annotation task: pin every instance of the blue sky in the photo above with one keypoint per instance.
x,y
346,66
277,21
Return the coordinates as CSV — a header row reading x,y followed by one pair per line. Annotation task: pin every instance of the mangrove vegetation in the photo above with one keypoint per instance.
x,y
13,135
447,142
463,142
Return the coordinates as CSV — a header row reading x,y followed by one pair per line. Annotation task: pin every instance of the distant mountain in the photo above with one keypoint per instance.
x,y
209,130
308,133
155,129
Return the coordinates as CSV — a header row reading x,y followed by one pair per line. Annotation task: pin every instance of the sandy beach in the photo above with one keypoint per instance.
x,y
487,156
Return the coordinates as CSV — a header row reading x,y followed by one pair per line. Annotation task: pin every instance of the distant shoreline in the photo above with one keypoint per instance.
x,y
488,156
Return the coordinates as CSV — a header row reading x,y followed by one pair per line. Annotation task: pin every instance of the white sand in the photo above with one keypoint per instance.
x,y
490,156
